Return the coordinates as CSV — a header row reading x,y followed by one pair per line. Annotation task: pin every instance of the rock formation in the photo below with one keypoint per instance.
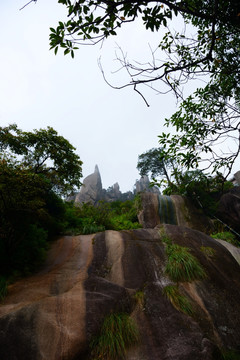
x,y
143,185
174,209
92,191
229,208
54,314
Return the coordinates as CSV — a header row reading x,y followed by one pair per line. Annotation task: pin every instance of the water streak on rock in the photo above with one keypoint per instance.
x,y
167,211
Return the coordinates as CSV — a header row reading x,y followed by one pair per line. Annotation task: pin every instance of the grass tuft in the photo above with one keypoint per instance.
x,y
179,301
118,333
226,236
208,251
183,266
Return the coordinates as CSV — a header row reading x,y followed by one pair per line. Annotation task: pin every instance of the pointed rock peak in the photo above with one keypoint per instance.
x,y
96,169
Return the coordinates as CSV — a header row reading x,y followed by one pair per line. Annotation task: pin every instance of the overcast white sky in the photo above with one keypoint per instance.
x,y
108,127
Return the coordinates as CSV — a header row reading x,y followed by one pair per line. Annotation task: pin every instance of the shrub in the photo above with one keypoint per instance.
x,y
87,218
117,333
179,301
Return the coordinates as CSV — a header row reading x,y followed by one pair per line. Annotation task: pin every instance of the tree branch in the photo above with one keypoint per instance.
x,y
28,4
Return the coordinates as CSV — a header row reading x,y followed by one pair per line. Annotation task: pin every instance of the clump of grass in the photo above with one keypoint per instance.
x,y
139,297
227,236
179,301
118,333
183,266
208,251
3,288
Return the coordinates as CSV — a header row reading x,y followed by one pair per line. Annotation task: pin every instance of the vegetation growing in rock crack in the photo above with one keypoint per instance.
x,y
226,236
139,297
181,264
208,251
117,334
179,301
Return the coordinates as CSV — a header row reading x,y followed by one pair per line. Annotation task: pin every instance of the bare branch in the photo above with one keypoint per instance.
x,y
28,4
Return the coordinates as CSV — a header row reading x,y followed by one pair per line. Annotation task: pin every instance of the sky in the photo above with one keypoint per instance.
x,y
107,127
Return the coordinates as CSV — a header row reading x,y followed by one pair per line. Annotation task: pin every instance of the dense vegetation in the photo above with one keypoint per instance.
x,y
116,215
36,169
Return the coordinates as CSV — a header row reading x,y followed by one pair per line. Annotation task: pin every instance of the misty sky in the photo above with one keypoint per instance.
x,y
38,89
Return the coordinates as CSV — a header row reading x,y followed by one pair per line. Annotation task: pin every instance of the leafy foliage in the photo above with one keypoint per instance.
x,y
43,152
154,161
33,171
87,218
208,120
204,190
117,333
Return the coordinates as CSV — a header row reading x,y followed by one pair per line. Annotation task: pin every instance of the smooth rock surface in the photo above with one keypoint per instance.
x,y
54,314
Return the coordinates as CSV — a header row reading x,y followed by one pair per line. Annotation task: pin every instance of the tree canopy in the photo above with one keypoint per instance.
x,y
43,152
154,162
35,167
207,122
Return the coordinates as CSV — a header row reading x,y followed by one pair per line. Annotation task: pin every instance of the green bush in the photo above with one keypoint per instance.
x,y
87,218
117,334
204,190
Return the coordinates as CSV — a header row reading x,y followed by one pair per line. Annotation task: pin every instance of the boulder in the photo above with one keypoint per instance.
x,y
54,314
175,209
229,208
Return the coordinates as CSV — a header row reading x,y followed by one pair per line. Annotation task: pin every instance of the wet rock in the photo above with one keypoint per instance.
x,y
54,314
174,209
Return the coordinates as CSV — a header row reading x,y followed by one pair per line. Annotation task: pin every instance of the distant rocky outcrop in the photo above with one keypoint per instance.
x,y
92,191
144,185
